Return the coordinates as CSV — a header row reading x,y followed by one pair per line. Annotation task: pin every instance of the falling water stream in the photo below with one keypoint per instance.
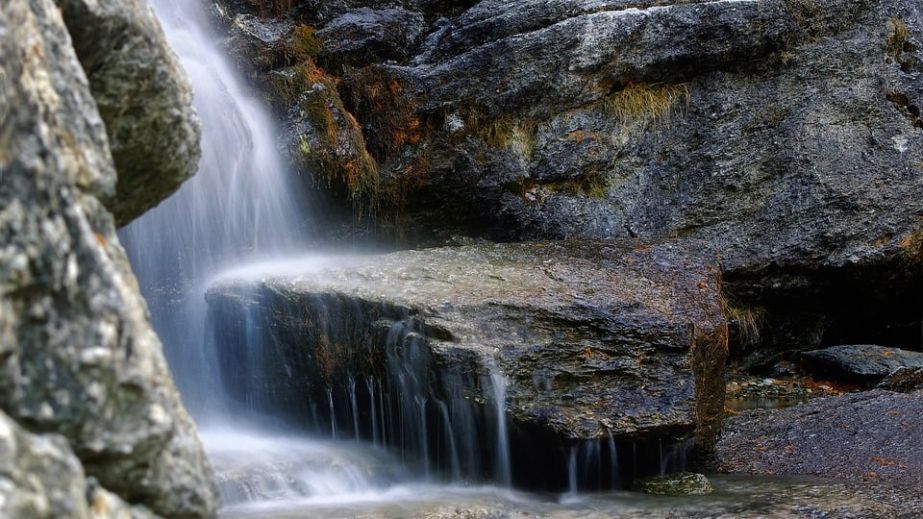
x,y
393,445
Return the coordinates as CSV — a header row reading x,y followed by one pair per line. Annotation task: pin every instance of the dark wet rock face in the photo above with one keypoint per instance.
x,y
593,337
370,36
873,436
785,133
143,97
78,357
861,363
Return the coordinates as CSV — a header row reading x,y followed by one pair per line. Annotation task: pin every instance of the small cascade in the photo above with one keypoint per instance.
x,y
364,402
261,466
358,370
504,466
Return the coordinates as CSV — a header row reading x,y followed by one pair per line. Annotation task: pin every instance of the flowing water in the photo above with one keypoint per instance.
x,y
400,443
241,205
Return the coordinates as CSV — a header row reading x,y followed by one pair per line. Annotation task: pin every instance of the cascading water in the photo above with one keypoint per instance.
x,y
412,427
241,205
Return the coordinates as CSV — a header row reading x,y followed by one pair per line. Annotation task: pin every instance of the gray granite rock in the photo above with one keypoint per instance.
x,y
143,96
41,478
79,357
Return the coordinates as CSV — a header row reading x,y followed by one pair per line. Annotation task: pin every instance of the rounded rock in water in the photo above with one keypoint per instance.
x,y
680,484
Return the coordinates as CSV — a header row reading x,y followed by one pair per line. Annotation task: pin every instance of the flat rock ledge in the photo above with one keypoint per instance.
x,y
867,437
594,338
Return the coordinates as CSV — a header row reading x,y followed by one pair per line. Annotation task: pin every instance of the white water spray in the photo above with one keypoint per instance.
x,y
241,204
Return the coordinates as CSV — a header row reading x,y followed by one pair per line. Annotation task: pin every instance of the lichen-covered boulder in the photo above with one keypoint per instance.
x,y
41,478
78,356
143,96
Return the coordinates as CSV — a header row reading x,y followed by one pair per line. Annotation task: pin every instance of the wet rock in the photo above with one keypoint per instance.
x,y
40,477
77,354
681,484
863,363
594,338
323,137
873,436
259,43
903,379
781,132
143,96
534,127
367,36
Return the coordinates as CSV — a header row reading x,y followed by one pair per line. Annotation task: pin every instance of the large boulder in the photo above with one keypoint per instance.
x,y
143,96
773,130
78,356
594,340
863,363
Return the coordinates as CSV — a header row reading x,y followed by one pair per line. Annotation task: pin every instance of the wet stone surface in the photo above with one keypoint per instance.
x,y
594,339
869,437
862,363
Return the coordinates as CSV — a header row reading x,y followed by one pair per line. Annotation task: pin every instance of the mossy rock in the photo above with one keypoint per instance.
x,y
680,484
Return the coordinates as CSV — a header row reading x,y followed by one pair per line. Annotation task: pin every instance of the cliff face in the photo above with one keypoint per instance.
x,y
786,134
81,370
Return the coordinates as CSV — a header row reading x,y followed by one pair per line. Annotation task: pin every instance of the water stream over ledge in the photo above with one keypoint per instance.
x,y
404,439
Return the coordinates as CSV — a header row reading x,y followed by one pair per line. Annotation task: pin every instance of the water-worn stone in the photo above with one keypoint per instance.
x,y
77,354
679,484
143,96
368,36
862,363
41,478
595,338
874,436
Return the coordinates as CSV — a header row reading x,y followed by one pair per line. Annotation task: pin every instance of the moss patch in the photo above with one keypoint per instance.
x,y
334,151
304,44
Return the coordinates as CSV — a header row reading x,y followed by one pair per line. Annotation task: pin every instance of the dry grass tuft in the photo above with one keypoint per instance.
x,y
646,102
746,320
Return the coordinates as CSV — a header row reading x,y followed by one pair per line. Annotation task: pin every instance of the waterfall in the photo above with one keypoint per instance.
x,y
414,420
241,204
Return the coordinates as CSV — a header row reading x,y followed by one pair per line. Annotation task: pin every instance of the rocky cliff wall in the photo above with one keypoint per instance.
x,y
81,369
